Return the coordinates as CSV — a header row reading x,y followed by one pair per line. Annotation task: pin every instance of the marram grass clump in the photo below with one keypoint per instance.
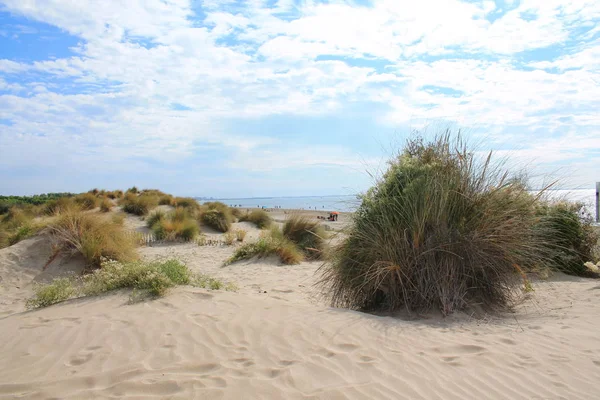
x,y
152,279
270,243
259,218
174,225
440,230
309,235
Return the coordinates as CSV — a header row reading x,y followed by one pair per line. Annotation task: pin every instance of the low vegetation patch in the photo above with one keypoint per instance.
x,y
186,202
86,201
270,243
145,278
105,205
259,218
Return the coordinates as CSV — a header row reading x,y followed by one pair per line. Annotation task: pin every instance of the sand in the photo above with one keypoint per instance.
x,y
276,338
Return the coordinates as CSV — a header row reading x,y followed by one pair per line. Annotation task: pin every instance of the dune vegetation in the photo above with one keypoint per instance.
x,y
260,218
443,230
178,224
145,278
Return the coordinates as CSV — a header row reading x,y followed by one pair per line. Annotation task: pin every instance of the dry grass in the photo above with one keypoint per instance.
x,y
105,205
240,235
270,243
138,205
175,225
86,201
440,230
93,236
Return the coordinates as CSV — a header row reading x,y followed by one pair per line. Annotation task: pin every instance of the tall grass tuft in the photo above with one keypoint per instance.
x,y
270,243
105,205
86,201
307,234
93,236
440,230
260,218
177,224
186,202
138,205
216,219
570,237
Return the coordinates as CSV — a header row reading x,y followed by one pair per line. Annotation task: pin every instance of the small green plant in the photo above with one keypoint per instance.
x,y
258,217
45,295
138,205
145,278
21,233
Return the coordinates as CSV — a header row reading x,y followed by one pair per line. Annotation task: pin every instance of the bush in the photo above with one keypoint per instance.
x,y
165,200
154,279
270,243
236,212
93,236
58,206
105,205
138,205
23,232
216,219
307,234
569,234
86,201
177,224
186,202
258,217
440,230
229,238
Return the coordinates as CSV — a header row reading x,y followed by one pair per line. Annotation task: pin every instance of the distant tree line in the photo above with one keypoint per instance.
x,y
8,201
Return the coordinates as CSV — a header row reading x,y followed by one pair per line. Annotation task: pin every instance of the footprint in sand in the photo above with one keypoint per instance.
x,y
79,360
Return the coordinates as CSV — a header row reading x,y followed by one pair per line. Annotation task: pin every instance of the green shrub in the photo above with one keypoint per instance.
x,y
86,201
153,278
45,295
569,234
258,217
307,234
440,230
216,219
155,217
93,236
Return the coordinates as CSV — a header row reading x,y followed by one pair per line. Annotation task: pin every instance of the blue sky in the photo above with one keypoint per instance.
x,y
284,97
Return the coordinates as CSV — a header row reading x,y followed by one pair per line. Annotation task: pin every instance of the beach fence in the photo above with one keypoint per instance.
x,y
149,239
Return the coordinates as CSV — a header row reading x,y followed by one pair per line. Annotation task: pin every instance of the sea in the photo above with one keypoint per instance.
x,y
349,203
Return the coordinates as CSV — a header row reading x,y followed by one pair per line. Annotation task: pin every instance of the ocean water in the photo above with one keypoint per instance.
x,y
323,203
350,202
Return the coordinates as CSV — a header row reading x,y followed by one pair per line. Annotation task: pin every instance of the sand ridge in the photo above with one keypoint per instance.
x,y
277,338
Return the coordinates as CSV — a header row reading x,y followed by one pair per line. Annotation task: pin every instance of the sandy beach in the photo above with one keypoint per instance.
x,y
276,337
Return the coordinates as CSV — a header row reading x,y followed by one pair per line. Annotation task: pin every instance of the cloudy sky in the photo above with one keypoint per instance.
x,y
287,97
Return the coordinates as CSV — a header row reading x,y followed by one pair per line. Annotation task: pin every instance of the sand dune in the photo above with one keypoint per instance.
x,y
196,343
276,338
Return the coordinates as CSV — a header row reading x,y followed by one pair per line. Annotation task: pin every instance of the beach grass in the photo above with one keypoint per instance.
x,y
147,279
441,230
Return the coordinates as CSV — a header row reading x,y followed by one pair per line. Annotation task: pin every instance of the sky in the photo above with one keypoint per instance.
x,y
229,98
